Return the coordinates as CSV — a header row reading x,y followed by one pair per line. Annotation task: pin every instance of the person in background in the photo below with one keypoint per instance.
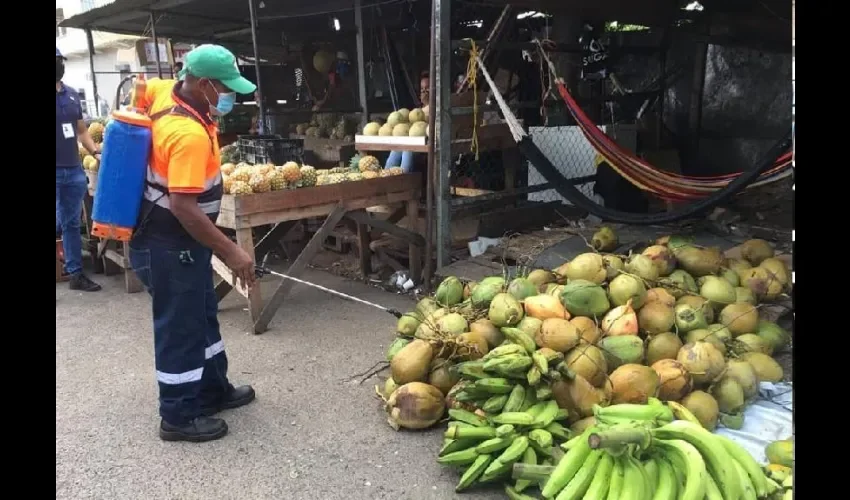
x,y
178,67
71,181
404,159
176,237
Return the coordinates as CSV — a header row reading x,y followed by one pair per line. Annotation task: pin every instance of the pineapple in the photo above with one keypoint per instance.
x,y
240,187
230,154
355,160
227,168
368,163
385,173
338,170
96,131
369,174
276,180
322,171
321,180
308,176
395,171
354,177
263,169
291,172
336,178
259,183
226,183
83,152
242,173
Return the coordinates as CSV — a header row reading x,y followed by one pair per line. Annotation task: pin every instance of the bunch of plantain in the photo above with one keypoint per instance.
x,y
639,452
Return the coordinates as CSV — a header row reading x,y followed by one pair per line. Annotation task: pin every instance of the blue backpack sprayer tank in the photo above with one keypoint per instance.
x,y
123,170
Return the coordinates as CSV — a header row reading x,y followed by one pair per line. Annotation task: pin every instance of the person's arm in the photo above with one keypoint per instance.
x,y
187,165
85,138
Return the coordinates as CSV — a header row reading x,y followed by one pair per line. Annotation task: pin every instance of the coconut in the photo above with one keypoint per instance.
x,y
744,294
729,395
587,329
397,345
520,288
704,407
555,290
415,406
633,383
773,334
613,266
540,277
642,266
699,261
426,306
389,387
545,306
622,350
476,340
408,323
730,276
776,268
505,310
530,325
604,240
453,323
679,283
766,368
656,317
494,280
740,318
737,265
578,396
702,360
557,334
587,266
662,257
485,328
674,381
755,251
450,292
745,375
430,324
718,291
468,288
750,342
700,303
621,320
588,361
706,335
626,287
763,284
720,331
483,294
579,426
660,295
662,346
411,363
688,317
441,376
583,298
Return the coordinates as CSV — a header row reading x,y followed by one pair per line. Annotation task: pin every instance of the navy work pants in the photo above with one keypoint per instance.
x,y
71,189
191,365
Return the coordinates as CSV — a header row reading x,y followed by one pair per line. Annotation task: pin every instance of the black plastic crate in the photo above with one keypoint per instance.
x,y
259,149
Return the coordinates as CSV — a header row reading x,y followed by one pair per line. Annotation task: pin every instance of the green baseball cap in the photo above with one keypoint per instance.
x,y
216,63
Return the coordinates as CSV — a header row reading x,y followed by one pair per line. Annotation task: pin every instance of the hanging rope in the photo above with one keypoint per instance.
x,y
472,78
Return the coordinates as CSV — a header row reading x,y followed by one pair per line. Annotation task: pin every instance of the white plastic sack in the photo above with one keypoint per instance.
x,y
769,418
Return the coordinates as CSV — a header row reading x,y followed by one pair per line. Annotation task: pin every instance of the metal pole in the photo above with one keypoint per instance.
x,y
90,42
155,45
443,129
361,63
430,177
261,118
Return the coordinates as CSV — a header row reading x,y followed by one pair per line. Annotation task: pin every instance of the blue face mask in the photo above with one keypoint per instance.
x,y
225,103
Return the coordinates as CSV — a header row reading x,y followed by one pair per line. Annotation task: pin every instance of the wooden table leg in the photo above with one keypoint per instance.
x,y
364,239
296,269
245,240
415,252
131,281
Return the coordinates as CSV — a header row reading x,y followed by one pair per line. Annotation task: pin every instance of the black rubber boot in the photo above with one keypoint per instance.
x,y
238,396
82,283
198,430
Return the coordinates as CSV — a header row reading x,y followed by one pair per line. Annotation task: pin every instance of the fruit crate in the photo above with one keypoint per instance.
x,y
259,149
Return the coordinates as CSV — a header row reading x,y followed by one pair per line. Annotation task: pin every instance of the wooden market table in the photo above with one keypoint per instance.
x,y
283,209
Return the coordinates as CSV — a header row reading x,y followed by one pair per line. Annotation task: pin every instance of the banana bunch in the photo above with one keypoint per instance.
x,y
487,448
642,460
782,476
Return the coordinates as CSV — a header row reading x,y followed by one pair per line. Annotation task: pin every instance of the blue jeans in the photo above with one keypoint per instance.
x,y
191,365
71,189
404,159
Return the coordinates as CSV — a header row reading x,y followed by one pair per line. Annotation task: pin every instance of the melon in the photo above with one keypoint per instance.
x,y
401,130
418,129
371,129
416,115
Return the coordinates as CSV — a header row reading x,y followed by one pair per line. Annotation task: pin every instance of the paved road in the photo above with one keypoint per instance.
x,y
309,435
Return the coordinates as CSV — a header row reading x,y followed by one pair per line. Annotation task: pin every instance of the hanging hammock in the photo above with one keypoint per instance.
x,y
727,186
665,185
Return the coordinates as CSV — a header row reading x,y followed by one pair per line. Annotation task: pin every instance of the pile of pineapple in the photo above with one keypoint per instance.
x,y
328,126
242,178
90,163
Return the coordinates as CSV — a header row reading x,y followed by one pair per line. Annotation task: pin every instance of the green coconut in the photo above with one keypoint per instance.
x,y
718,291
662,257
494,280
643,266
408,323
699,261
453,323
740,318
505,310
688,317
730,276
411,363
426,306
626,287
679,283
587,266
704,407
699,303
745,375
415,405
766,368
773,334
720,331
521,288
744,294
530,325
622,349
484,293
729,395
389,387
751,342
430,324
442,376
613,265
584,298
397,345
450,292
662,346
540,277
755,251
706,335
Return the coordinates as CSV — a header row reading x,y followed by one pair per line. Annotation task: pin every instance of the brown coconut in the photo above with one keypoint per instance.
x,y
587,329
488,330
662,346
656,317
704,407
412,362
557,334
588,361
633,383
740,318
674,381
578,396
702,360
660,295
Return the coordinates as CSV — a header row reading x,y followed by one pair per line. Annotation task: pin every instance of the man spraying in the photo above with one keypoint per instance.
x,y
175,240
